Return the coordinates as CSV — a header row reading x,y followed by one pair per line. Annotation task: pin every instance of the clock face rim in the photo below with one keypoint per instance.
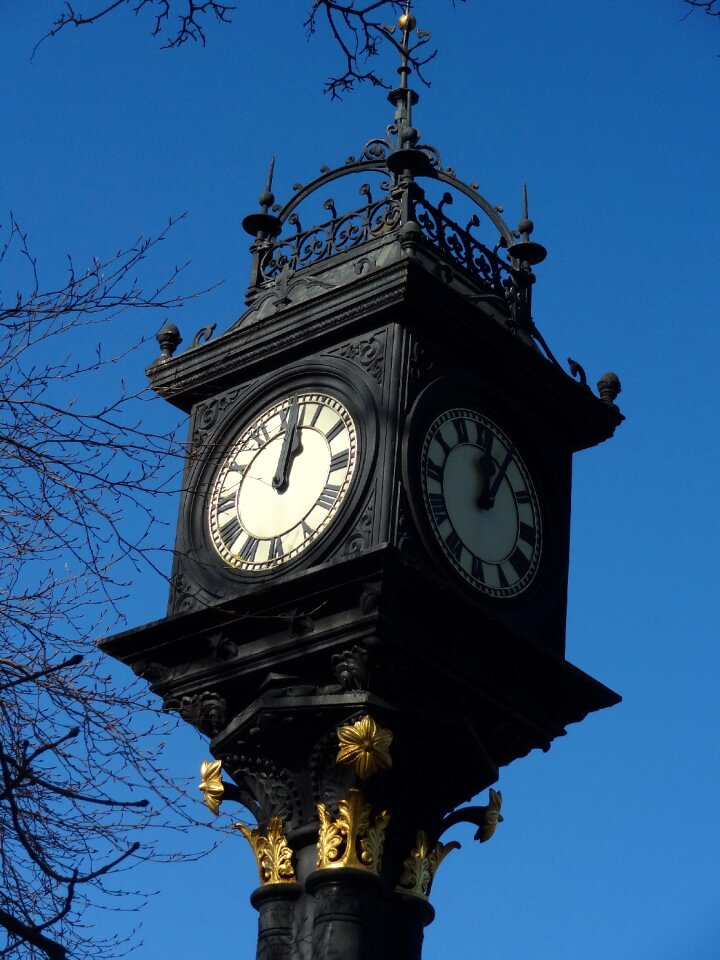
x,y
529,577
324,520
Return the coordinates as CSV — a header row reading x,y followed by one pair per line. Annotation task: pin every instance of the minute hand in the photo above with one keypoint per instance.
x,y
500,475
288,448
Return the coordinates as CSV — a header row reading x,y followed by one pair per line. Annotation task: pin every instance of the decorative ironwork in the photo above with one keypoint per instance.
x,y
272,853
485,818
420,867
461,245
365,746
211,784
352,839
337,235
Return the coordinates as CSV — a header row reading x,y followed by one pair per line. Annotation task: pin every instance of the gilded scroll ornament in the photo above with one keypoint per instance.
x,y
422,864
352,839
211,784
365,746
272,853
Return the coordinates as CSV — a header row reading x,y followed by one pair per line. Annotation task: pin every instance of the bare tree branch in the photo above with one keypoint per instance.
x,y
357,27
711,7
79,483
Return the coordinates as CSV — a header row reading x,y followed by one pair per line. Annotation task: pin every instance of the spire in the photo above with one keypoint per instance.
x,y
526,250
404,97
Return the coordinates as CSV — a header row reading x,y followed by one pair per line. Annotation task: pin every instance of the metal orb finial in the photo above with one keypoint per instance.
x,y
407,21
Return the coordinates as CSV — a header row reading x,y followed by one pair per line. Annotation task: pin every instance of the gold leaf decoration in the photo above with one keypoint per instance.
x,y
352,839
272,853
366,746
420,867
211,784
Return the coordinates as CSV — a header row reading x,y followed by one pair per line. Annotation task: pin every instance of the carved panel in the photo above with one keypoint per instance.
x,y
367,353
266,790
361,537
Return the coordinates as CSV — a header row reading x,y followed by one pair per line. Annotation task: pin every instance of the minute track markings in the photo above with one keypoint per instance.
x,y
481,503
281,483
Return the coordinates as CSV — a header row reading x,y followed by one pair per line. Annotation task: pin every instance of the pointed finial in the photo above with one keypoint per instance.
x,y
267,198
526,250
526,226
264,224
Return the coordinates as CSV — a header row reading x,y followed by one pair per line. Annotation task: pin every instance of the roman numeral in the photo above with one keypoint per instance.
x,y
502,578
307,531
226,501
485,436
454,544
238,468
527,534
461,429
276,548
339,461
437,505
477,570
434,471
522,496
249,549
316,415
443,442
328,496
259,436
335,432
520,563
230,531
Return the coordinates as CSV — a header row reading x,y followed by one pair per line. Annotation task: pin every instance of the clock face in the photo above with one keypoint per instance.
x,y
279,487
481,502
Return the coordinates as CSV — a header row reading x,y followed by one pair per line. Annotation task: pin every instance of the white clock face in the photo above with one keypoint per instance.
x,y
282,482
481,502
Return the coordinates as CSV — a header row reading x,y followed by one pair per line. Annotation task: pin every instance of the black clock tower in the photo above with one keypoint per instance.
x,y
367,613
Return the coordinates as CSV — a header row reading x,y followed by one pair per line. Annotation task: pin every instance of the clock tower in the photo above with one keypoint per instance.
x,y
367,609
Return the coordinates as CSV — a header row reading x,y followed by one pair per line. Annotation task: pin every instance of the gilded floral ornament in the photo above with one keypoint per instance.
x,y
366,746
352,839
211,784
272,853
420,867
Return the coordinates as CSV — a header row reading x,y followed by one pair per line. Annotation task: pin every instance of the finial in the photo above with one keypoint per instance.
x,y
407,23
266,198
264,224
404,98
526,251
169,339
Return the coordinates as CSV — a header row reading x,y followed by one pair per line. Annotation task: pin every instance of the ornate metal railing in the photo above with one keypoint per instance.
x,y
337,235
459,244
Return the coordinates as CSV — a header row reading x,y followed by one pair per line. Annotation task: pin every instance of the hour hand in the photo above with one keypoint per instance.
x,y
485,470
290,445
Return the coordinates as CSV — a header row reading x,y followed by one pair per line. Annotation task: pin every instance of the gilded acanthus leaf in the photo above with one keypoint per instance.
x,y
420,867
353,838
365,746
272,853
211,784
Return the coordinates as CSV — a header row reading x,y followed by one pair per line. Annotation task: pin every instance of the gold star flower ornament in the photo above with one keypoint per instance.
x,y
365,746
211,784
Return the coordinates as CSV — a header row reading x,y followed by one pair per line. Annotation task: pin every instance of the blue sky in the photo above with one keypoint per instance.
x,y
610,113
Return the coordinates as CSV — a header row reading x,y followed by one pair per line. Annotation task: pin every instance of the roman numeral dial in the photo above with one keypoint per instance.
x,y
481,503
282,482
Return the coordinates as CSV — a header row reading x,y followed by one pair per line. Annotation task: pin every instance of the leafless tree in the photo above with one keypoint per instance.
x,y
358,28
711,7
78,487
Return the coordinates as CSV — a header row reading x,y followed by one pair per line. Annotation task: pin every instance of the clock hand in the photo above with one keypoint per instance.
x,y
289,447
500,475
485,469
